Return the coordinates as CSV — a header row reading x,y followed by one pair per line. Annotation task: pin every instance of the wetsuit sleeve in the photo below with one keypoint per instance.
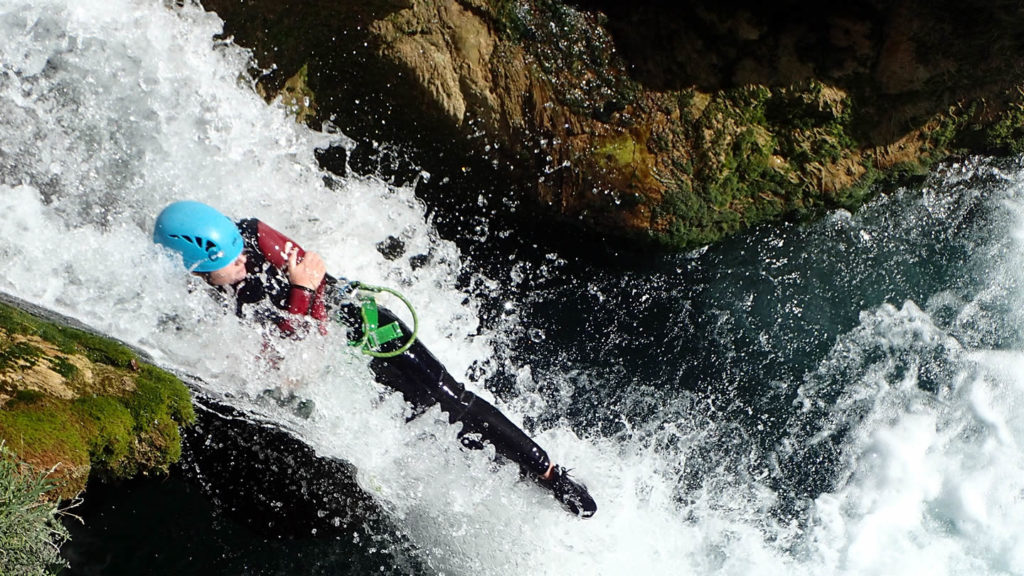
x,y
301,301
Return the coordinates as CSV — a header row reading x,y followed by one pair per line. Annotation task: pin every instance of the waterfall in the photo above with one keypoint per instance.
x,y
842,397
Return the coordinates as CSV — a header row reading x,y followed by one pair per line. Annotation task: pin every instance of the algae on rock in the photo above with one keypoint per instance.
x,y
74,403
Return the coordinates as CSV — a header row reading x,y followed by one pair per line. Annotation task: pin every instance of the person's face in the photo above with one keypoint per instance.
x,y
231,274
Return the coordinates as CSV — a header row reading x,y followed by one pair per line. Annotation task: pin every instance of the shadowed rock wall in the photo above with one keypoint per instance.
x,y
652,121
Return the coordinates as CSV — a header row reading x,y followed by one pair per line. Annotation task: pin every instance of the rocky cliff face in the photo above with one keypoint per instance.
x,y
652,121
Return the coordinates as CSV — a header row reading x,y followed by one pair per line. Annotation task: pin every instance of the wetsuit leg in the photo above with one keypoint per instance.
x,y
424,381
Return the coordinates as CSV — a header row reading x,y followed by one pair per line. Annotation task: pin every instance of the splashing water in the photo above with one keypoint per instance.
x,y
840,398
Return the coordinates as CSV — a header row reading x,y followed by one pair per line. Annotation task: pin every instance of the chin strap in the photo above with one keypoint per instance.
x,y
374,336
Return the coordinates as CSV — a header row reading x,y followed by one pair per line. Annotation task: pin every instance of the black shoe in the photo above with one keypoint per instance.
x,y
571,493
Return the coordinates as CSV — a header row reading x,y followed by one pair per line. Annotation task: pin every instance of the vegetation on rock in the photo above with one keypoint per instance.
x,y
72,402
30,529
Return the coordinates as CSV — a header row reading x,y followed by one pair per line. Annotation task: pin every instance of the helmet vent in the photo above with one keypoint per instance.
x,y
200,242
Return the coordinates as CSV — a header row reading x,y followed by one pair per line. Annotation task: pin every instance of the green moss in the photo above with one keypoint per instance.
x,y
1007,133
575,54
864,189
15,355
735,178
298,97
812,126
110,431
67,340
15,321
508,21
66,369
948,133
105,351
26,396
161,394
63,339
757,155
617,152
685,100
120,435
45,430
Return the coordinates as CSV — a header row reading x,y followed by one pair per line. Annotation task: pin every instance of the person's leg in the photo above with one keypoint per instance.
x,y
424,381
481,417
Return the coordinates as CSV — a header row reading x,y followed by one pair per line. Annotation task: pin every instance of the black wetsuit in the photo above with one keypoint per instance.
x,y
266,295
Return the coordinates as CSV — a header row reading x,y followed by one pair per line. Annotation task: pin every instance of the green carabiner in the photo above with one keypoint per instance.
x,y
374,335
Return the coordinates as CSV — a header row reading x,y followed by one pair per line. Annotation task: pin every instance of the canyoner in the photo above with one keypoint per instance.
x,y
273,281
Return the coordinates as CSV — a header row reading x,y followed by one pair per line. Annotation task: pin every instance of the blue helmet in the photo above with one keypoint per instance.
x,y
206,239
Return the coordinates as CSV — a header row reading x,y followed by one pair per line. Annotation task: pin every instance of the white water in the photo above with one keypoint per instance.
x,y
110,109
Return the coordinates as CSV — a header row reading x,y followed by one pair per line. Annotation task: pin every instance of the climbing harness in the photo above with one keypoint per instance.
x,y
374,336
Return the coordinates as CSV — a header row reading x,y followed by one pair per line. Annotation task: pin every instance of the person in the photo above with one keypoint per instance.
x,y
274,282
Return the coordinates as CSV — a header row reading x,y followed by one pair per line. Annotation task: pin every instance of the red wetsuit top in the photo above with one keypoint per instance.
x,y
266,281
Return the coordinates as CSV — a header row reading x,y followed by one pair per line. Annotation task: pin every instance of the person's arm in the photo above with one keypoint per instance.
x,y
305,272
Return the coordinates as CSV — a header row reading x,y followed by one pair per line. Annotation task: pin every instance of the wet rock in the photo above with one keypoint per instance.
x,y
75,404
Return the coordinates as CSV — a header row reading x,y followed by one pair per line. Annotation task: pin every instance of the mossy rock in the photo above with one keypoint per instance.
x,y
72,402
